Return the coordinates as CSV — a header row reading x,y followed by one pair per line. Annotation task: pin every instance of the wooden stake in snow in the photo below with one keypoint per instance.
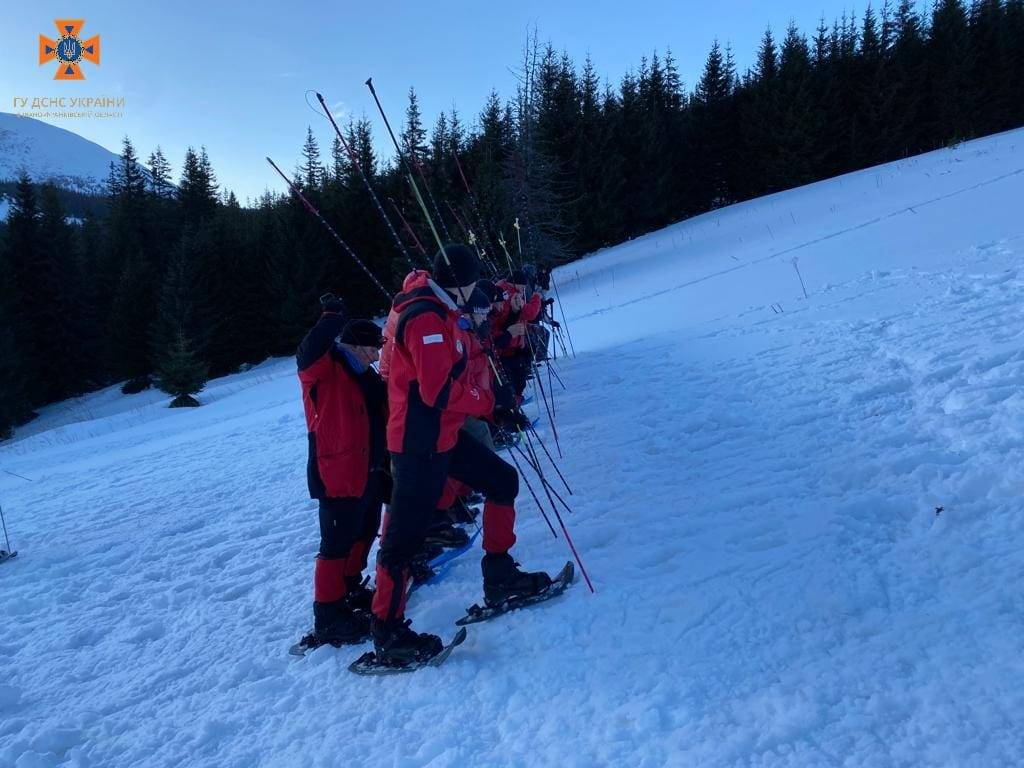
x,y
796,266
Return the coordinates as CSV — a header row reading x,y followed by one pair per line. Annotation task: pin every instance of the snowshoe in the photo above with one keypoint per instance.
x,y
396,644
503,581
305,645
555,587
371,664
423,572
446,535
337,624
420,572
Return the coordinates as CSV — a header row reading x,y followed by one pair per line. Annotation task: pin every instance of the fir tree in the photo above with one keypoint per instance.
x,y
58,365
414,136
17,255
311,171
712,133
134,271
160,175
798,127
338,160
181,373
197,190
950,64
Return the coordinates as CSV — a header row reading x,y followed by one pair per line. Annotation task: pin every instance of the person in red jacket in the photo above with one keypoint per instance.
x,y
432,389
345,403
442,532
510,325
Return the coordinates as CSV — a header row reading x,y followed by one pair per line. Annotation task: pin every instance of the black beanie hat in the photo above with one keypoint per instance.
x,y
479,302
464,266
361,333
489,289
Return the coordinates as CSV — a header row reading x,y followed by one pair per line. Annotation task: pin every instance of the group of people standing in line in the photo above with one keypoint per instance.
x,y
414,438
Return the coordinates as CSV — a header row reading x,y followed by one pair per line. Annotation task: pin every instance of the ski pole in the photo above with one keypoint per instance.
x,y
551,388
312,209
471,237
423,207
535,463
483,255
557,377
508,259
561,308
408,171
409,229
565,531
561,340
460,222
547,406
472,199
366,180
540,383
546,483
8,538
536,500
430,195
547,453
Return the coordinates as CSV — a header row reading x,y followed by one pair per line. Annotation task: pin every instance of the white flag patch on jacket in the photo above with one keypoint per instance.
x,y
434,338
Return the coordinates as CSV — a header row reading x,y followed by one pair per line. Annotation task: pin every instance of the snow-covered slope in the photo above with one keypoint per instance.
x,y
756,496
53,154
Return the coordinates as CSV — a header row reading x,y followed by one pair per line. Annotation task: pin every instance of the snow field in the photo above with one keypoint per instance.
x,y
755,500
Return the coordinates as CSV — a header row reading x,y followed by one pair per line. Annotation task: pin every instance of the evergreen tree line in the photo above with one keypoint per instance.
x,y
172,281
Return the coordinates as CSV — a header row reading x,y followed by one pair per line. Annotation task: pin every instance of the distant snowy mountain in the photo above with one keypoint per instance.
x,y
52,154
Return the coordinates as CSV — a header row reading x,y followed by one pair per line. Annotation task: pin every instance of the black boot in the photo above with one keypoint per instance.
x,y
359,596
337,624
397,644
446,535
503,581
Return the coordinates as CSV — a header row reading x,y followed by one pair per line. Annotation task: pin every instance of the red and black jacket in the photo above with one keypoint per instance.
x,y
346,414
388,332
432,386
503,316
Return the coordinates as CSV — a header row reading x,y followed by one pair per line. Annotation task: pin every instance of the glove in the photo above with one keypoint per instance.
x,y
504,397
331,303
510,419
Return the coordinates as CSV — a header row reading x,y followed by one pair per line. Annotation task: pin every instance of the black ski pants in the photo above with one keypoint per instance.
x,y
418,483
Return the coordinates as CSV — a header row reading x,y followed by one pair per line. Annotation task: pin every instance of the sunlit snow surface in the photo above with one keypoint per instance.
x,y
755,498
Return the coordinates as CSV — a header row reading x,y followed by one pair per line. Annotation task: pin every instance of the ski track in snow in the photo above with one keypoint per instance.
x,y
755,501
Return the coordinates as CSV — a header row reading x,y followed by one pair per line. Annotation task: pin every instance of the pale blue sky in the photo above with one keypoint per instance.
x,y
232,75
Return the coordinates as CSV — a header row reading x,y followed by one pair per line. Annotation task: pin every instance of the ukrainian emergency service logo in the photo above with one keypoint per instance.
x,y
69,50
